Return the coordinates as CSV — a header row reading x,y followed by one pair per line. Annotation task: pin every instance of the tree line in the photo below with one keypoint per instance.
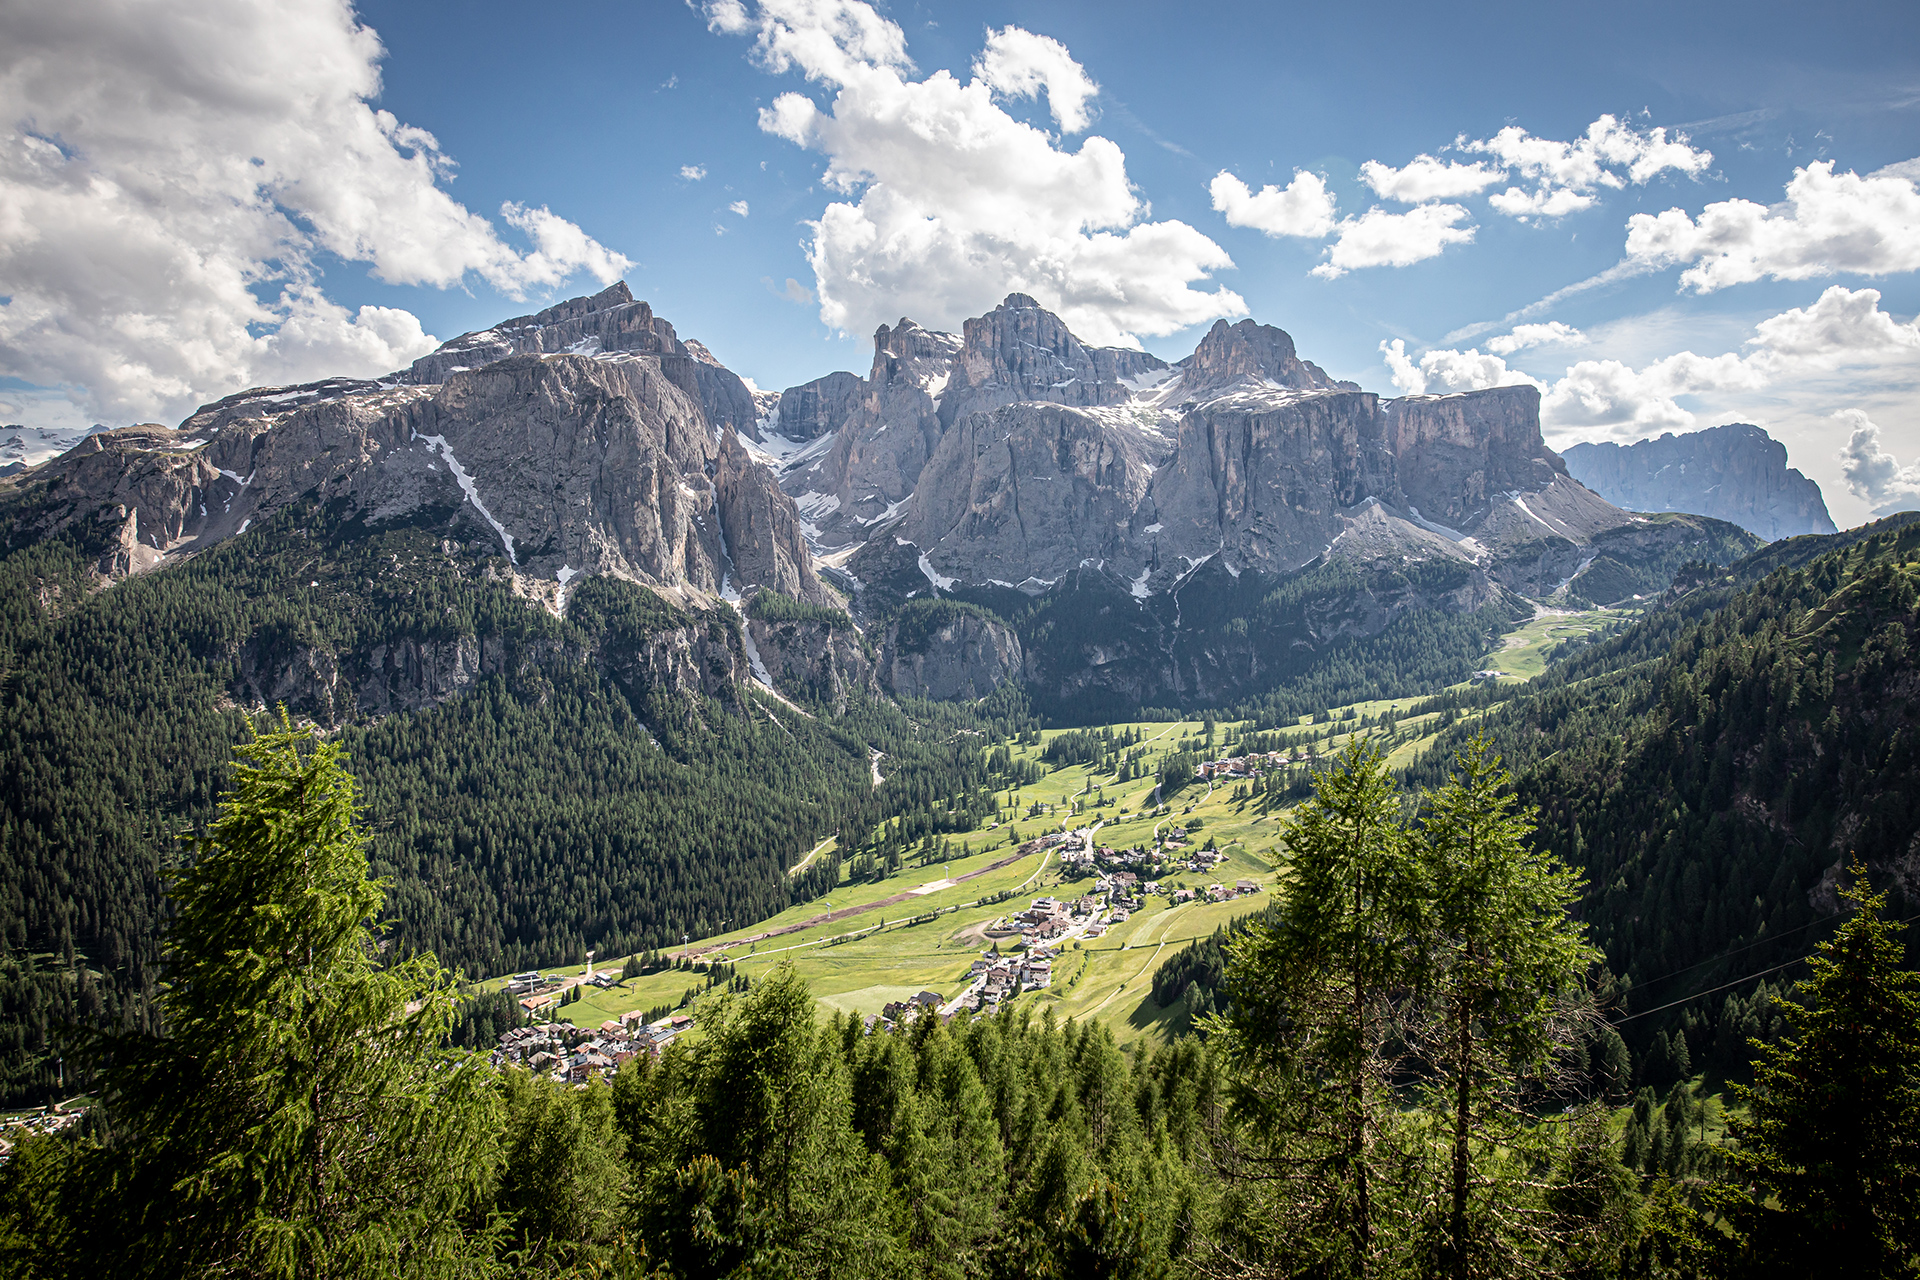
x,y
1394,1089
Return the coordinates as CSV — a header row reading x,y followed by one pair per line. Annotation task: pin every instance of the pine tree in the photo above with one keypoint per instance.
x,y
300,1117
1828,1155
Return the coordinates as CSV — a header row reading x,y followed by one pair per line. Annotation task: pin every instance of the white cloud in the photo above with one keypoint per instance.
x,y
1429,179
739,207
1564,175
1845,326
1019,64
168,176
693,172
952,203
1908,169
1552,333
1442,372
1874,475
1843,329
1381,239
1830,223
1609,393
792,291
1303,208
1542,202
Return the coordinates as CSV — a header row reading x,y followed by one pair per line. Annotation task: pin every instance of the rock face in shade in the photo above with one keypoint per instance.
x,y
814,660
1736,472
814,409
966,657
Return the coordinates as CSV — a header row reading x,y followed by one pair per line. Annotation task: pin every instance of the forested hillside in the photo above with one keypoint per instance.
x,y
543,785
1713,769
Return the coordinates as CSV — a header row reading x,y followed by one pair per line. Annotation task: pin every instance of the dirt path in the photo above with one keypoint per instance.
x,y
847,913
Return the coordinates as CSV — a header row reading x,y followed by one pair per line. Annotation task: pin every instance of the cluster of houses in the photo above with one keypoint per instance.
x,y
43,1120
575,1055
996,978
1254,763
1140,860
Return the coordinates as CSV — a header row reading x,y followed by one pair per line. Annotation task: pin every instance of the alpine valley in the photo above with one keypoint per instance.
x,y
614,640
1034,809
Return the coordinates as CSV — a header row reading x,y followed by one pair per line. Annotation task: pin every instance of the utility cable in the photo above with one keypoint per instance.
x,y
1671,1004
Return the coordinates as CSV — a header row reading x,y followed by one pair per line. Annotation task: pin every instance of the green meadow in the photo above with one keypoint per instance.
x,y
920,928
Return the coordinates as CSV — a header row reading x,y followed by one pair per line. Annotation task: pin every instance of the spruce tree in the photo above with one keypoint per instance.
x,y
1311,1033
300,1118
1502,996
1827,1159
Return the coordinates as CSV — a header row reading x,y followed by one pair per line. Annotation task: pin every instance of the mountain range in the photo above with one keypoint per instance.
x,y
1011,468
615,639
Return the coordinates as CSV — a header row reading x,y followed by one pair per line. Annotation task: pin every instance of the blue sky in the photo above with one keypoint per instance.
x,y
596,112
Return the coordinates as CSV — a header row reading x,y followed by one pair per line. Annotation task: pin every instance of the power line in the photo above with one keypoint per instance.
x,y
1710,990
1737,981
1727,955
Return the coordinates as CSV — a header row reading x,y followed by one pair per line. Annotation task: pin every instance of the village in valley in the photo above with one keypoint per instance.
x,y
1115,878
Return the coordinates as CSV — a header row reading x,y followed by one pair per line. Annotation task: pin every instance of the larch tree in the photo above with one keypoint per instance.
x,y
1503,1005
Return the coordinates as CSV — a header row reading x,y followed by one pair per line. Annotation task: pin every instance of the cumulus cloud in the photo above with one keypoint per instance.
x,y
951,202
1302,208
1552,333
1843,329
1874,475
1565,175
1429,179
1609,393
1019,64
1845,326
1381,239
693,172
739,207
1441,372
169,176
1829,223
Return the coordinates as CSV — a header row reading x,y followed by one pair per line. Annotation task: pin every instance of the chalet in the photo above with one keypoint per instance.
x,y
1183,895
1246,886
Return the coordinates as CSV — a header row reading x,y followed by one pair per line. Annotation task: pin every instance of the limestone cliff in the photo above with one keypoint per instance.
x,y
579,440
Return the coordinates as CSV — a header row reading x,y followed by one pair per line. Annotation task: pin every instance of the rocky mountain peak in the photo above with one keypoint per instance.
x,y
908,350
1258,351
1021,352
608,321
817,408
